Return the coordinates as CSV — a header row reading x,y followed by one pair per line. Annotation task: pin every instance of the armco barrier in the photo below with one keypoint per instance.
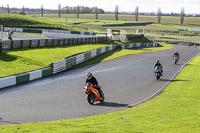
x,y
18,44
77,59
186,39
24,77
136,45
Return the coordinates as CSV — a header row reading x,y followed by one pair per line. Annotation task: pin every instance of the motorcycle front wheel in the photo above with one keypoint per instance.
x,y
90,98
157,76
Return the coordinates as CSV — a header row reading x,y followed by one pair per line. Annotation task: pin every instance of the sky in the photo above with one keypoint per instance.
x,y
167,6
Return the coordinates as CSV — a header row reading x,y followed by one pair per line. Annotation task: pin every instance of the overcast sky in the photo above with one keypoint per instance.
x,y
167,6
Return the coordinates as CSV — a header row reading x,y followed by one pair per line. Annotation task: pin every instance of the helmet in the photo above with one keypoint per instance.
x,y
157,61
89,75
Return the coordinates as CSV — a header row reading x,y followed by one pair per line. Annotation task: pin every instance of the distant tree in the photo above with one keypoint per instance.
x,y
96,13
59,10
116,12
136,13
77,12
8,8
83,10
182,15
23,11
159,15
42,11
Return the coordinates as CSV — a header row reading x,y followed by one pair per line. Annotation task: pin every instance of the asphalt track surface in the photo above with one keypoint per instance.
x,y
26,36
126,81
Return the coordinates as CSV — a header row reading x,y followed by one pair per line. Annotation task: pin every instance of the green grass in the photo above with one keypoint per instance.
x,y
28,21
19,61
176,110
35,35
88,21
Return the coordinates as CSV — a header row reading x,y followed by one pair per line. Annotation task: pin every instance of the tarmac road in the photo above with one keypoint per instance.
x,y
28,36
125,81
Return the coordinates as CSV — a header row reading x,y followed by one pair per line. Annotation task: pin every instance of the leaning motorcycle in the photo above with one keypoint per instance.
x,y
93,95
175,60
157,71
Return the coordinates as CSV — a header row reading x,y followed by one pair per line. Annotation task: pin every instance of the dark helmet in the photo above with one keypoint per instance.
x,y
157,61
89,75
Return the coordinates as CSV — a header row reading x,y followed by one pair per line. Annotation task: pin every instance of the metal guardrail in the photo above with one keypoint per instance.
x,y
36,43
77,59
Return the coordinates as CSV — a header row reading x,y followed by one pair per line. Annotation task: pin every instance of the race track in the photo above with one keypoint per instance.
x,y
31,36
126,81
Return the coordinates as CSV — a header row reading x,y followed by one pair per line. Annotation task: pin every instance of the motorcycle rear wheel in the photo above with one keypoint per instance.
x,y
102,97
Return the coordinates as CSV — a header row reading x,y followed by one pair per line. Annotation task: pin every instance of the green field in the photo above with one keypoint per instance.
x,y
88,22
169,24
173,111
142,18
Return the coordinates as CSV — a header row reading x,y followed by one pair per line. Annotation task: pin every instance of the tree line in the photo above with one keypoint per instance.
x,y
94,10
159,14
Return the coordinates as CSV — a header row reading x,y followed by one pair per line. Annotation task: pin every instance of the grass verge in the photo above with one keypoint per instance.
x,y
175,110
24,60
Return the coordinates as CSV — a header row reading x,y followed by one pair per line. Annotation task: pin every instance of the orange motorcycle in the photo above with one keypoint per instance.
x,y
93,94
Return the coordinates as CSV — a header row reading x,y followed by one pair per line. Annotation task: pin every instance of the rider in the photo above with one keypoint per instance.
x,y
158,65
176,54
9,35
90,78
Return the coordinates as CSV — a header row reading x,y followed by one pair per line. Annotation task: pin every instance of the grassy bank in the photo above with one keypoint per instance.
x,y
24,60
174,110
27,21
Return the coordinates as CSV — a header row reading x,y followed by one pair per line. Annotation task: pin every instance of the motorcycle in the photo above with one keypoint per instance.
x,y
157,71
175,60
93,95
10,38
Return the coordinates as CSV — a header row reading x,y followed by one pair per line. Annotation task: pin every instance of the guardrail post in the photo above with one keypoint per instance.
x,y
52,42
30,43
1,46
81,40
68,41
38,43
11,45
22,42
45,43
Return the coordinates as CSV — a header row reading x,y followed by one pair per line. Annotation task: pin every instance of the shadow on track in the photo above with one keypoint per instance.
x,y
111,104
8,122
168,80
